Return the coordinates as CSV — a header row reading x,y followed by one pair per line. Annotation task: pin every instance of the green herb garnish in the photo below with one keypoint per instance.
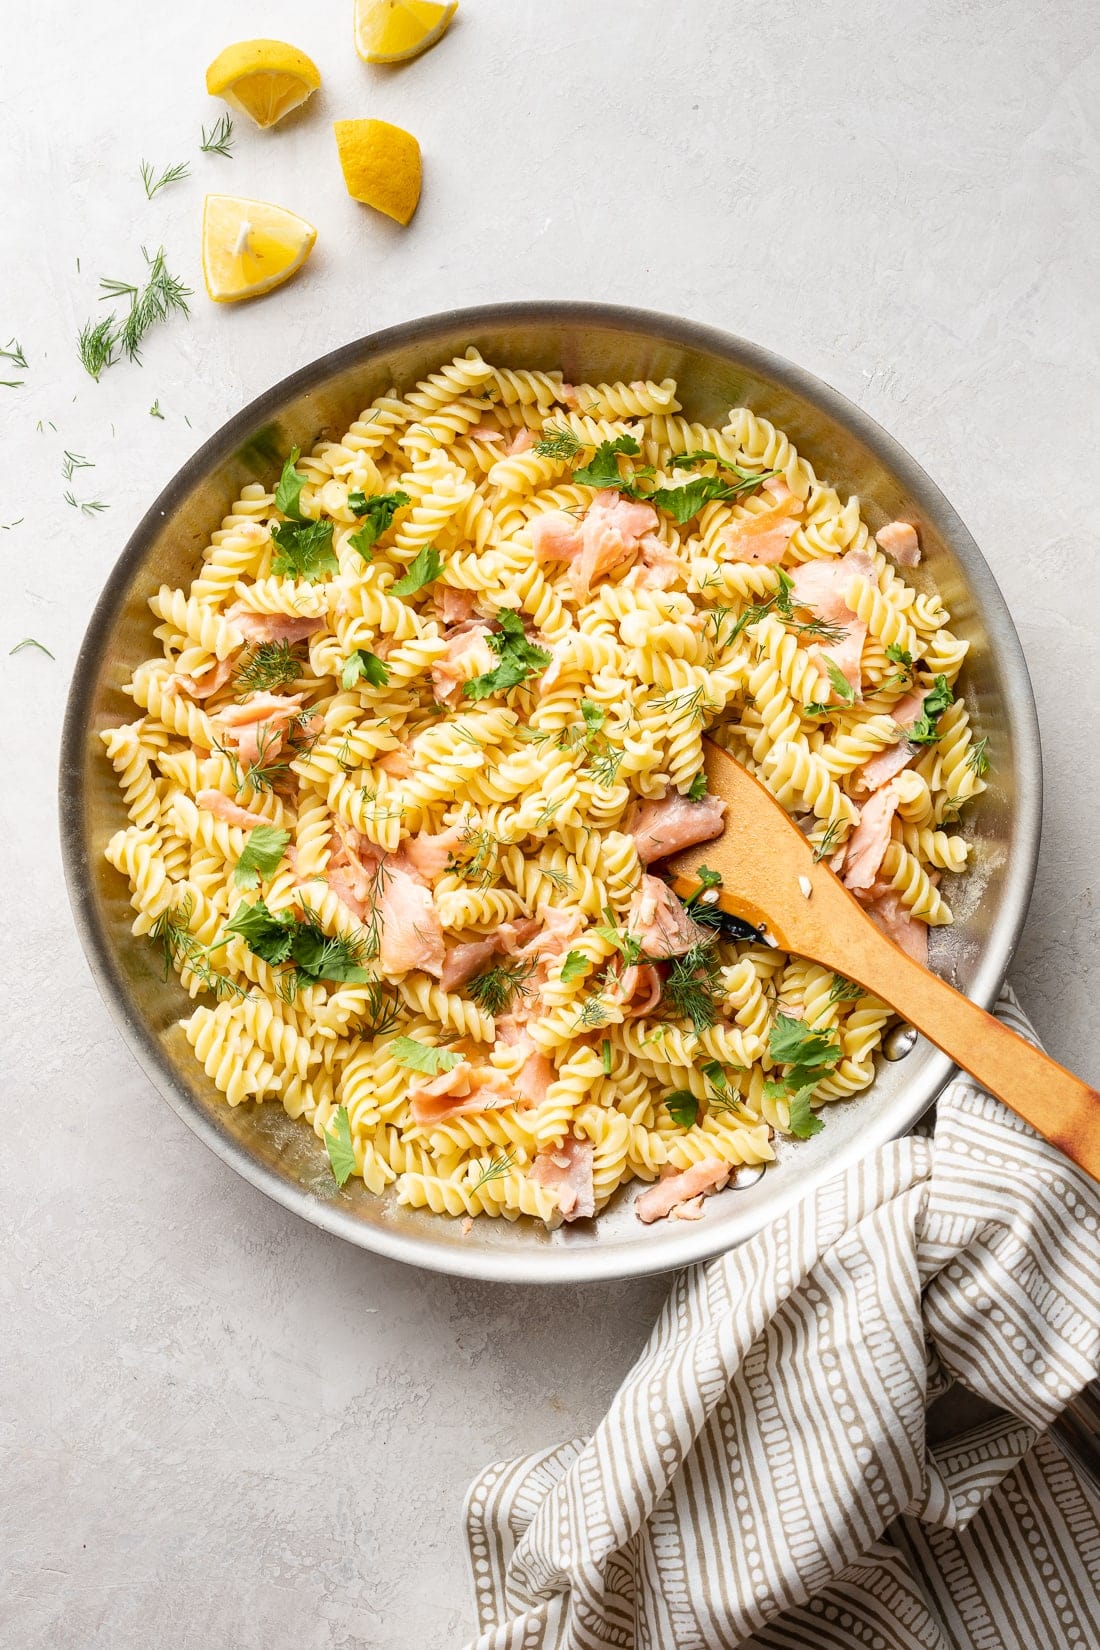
x,y
280,937
691,986
558,443
575,964
415,1056
493,991
154,301
219,140
260,856
29,641
605,1056
843,689
377,515
288,491
603,471
687,500
495,1169
338,1145
266,667
683,1108
305,550
977,758
518,657
809,1056
697,790
424,568
829,840
362,664
96,344
86,506
925,731
171,174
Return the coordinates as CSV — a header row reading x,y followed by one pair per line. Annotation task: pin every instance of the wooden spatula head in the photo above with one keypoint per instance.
x,y
769,875
771,879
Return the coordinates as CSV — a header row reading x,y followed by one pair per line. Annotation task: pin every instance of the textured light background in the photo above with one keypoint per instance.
x,y
219,1427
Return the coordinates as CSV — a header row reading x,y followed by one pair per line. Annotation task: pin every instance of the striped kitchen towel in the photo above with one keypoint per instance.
x,y
764,1476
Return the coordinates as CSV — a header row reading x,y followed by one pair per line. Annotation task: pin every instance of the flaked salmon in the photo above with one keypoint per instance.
x,y
664,827
675,1189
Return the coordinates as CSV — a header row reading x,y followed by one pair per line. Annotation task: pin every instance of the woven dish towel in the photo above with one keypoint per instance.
x,y
763,1478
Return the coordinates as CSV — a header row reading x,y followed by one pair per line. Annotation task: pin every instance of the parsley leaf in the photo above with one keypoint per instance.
x,y
687,500
843,689
698,787
594,717
288,493
280,937
267,936
305,550
518,657
683,1108
899,655
575,964
363,663
260,856
809,1056
709,878
425,567
339,1147
377,514
804,1122
926,731
603,471
416,1056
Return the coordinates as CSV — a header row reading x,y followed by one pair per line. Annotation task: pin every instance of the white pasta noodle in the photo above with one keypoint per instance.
x,y
349,775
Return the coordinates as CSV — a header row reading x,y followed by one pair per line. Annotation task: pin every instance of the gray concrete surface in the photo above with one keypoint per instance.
x,y
219,1427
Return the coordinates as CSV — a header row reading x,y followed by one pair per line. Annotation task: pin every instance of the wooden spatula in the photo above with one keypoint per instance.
x,y
767,865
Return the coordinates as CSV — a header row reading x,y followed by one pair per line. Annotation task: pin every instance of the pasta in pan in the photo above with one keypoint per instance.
x,y
422,730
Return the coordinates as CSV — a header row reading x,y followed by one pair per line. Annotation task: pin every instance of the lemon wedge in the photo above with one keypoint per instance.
x,y
392,31
264,79
248,247
381,165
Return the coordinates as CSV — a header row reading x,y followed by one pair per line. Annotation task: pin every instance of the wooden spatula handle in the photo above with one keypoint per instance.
x,y
1056,1103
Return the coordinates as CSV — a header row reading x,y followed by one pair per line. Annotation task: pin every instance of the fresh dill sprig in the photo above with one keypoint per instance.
x,y
86,506
74,461
844,991
383,1008
691,987
494,990
495,1168
685,705
29,641
591,1014
829,841
977,758
171,174
182,949
13,352
161,294
265,668
96,344
557,443
219,140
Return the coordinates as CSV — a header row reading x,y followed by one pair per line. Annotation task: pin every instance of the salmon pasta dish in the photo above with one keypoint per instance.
x,y
421,733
